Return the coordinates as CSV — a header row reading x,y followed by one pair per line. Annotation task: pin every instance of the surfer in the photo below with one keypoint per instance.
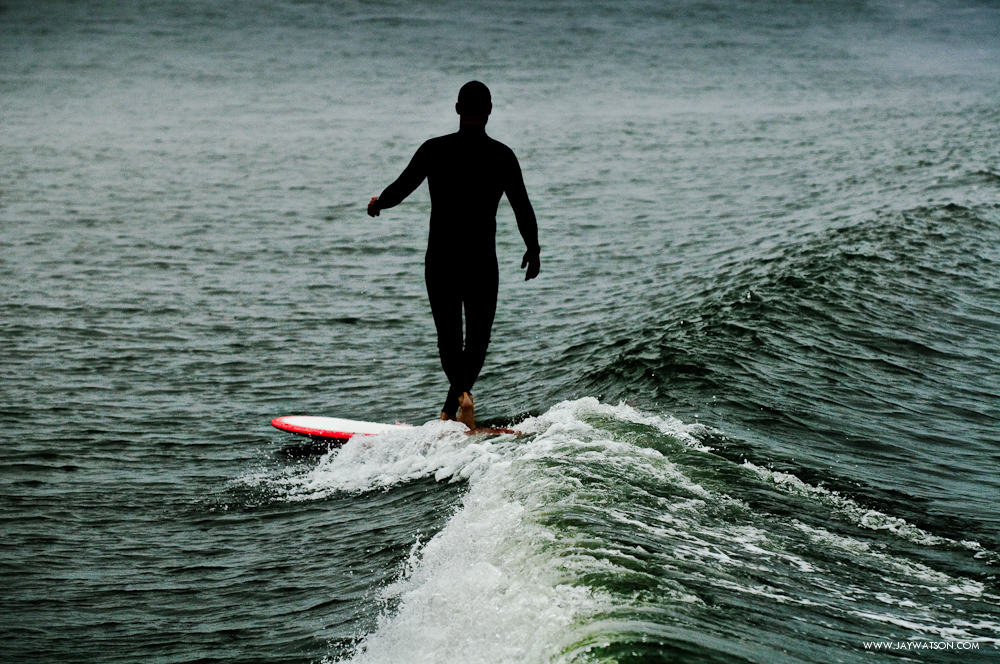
x,y
467,172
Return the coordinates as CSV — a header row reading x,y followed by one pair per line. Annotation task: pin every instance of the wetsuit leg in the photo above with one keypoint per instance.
x,y
480,309
451,290
446,307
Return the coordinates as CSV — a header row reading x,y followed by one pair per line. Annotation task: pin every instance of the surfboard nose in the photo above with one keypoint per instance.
x,y
335,428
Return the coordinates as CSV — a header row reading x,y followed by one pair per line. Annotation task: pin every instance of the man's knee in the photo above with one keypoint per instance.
x,y
448,339
477,343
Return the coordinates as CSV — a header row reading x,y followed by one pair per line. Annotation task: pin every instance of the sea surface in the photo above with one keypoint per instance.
x,y
757,381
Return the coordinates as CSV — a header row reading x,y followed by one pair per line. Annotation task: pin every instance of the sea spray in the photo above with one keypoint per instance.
x,y
603,531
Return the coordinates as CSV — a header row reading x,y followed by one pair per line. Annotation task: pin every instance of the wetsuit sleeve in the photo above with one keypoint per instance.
x,y
523,212
409,179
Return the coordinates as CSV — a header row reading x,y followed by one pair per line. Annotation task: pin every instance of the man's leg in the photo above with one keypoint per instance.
x,y
449,411
479,315
480,309
446,307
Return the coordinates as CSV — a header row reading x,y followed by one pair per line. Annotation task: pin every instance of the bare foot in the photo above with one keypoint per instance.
x,y
466,410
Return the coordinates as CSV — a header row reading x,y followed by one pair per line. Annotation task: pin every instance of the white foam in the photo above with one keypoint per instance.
x,y
497,584
492,585
444,450
484,589
570,414
438,449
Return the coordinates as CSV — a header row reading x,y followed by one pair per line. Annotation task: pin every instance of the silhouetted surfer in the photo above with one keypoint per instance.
x,y
467,172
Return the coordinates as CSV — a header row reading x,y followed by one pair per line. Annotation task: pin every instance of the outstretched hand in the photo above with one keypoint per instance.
x,y
533,262
373,207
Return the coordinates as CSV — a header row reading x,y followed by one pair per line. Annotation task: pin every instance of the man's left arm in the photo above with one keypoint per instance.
x,y
517,195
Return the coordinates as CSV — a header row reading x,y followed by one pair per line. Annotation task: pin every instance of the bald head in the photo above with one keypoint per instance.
x,y
474,102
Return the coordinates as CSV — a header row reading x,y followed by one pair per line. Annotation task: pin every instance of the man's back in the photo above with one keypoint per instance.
x,y
467,172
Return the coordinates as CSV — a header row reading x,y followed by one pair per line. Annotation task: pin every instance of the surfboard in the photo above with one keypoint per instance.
x,y
338,429
332,428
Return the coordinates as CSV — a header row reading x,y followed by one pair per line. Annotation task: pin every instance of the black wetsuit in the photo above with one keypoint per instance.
x,y
467,173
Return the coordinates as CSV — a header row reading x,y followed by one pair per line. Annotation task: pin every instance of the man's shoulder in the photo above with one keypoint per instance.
x,y
437,141
502,151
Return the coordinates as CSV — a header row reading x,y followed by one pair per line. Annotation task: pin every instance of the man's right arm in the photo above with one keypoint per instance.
x,y
409,179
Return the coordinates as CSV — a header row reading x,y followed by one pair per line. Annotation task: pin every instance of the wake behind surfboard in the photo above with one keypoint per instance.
x,y
335,429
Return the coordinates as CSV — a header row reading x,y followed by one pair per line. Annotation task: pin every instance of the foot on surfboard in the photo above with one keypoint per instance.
x,y
466,410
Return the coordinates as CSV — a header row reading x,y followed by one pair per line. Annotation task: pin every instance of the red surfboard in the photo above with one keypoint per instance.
x,y
335,428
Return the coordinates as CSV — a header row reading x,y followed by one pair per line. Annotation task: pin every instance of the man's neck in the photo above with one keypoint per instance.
x,y
472,124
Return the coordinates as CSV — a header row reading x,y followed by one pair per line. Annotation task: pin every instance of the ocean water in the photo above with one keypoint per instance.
x,y
757,381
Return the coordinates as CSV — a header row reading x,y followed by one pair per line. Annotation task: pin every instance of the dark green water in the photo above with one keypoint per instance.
x,y
758,375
